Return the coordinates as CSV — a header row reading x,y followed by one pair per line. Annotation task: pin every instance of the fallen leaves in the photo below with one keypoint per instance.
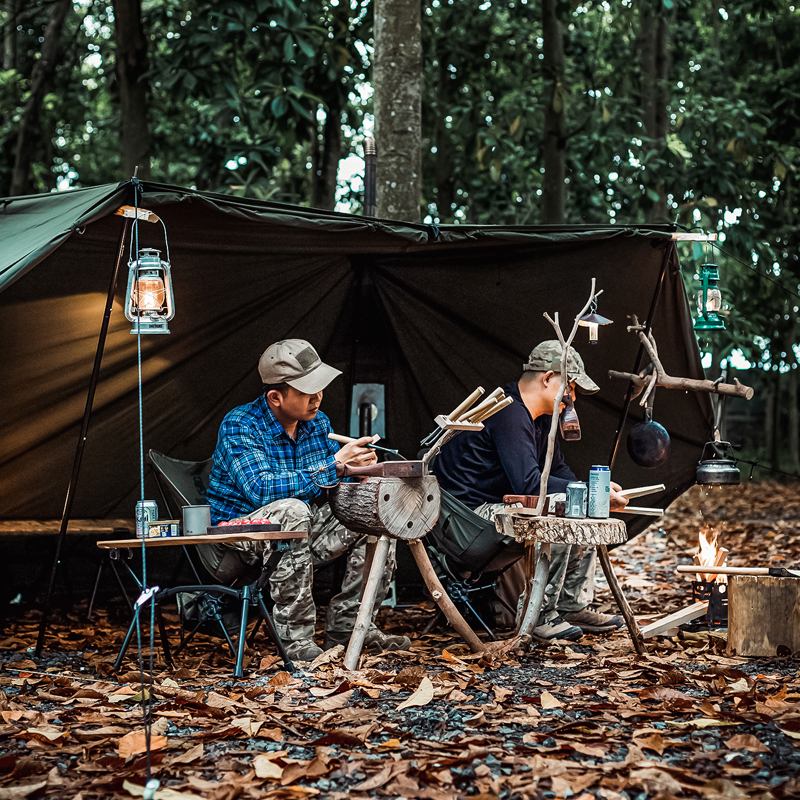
x,y
421,697
135,743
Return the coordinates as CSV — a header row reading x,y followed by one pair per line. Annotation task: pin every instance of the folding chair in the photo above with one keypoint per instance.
x,y
471,555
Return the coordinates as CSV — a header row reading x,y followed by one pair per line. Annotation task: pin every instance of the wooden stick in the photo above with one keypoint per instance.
x,y
642,490
337,437
441,598
537,568
689,569
368,594
622,601
462,407
493,398
722,554
490,412
676,618
551,439
643,511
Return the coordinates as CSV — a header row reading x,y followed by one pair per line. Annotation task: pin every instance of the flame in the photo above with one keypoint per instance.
x,y
708,553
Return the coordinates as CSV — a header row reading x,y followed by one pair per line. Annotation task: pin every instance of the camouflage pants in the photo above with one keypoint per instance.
x,y
294,612
570,582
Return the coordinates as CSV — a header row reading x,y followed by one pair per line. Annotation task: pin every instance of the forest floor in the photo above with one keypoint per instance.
x,y
583,720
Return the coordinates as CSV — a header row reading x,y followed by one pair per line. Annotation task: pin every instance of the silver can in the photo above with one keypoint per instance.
x,y
146,513
577,492
599,492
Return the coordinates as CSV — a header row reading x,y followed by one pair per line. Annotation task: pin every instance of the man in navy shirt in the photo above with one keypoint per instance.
x,y
274,459
507,457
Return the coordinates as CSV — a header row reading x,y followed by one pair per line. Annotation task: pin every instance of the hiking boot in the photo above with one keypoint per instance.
x,y
303,650
557,629
593,621
376,641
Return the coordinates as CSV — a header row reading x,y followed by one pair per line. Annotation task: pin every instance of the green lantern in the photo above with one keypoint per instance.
x,y
709,300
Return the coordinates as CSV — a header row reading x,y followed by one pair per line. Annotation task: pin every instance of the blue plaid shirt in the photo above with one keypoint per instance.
x,y
257,462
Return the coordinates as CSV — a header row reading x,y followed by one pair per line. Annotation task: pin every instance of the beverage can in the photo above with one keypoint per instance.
x,y
599,492
146,512
576,499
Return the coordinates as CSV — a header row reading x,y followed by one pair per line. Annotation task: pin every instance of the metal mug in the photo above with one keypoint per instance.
x,y
196,520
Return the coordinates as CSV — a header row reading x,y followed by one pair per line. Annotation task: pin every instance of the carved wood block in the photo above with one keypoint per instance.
x,y
561,530
403,508
763,615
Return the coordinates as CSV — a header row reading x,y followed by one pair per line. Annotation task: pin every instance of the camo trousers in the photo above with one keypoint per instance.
x,y
294,612
570,582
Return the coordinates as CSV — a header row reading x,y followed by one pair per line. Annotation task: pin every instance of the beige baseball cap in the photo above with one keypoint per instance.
x,y
296,362
546,356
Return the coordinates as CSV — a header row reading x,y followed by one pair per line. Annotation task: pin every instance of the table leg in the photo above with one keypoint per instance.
x,y
442,600
622,601
238,671
368,594
537,568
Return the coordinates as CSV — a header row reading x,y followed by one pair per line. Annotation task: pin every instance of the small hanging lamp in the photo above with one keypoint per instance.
x,y
592,321
150,302
709,300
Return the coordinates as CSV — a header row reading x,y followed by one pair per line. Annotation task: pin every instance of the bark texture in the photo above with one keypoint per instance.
x,y
655,60
131,67
555,142
10,34
30,134
326,152
562,530
397,78
403,508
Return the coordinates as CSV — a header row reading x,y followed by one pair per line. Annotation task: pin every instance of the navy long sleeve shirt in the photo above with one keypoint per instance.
x,y
506,457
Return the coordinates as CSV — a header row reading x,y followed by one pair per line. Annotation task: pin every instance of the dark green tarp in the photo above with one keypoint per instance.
x,y
429,312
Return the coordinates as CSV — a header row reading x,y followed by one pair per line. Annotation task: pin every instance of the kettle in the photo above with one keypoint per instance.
x,y
720,469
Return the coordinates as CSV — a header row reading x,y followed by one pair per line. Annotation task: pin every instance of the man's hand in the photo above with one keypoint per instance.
x,y
617,500
355,454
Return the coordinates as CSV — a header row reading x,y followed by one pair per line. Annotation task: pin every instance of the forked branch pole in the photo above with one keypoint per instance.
x,y
644,382
551,438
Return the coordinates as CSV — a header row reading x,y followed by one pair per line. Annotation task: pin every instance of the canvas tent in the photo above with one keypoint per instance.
x,y
428,312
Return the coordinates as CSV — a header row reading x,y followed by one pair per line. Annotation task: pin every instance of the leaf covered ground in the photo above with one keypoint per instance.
x,y
586,720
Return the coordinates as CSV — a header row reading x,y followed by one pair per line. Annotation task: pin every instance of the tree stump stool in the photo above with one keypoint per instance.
x,y
538,533
393,508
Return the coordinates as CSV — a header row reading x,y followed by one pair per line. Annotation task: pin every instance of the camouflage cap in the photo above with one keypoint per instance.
x,y
547,356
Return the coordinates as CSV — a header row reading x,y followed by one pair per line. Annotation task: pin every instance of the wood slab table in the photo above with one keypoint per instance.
x,y
538,533
209,538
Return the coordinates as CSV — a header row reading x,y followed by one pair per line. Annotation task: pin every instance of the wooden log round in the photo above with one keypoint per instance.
x,y
561,530
403,508
763,615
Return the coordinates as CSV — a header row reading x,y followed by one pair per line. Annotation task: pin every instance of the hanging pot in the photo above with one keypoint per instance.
x,y
648,442
720,469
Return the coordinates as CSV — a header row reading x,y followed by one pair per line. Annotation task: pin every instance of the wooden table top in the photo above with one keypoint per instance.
x,y
560,530
211,538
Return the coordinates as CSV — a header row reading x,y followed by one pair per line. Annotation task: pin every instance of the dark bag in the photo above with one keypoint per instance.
x,y
471,543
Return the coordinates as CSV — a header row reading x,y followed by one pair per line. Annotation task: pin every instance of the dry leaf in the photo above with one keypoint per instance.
x,y
500,694
549,701
189,756
14,792
135,743
266,768
653,742
421,697
282,678
746,741
163,793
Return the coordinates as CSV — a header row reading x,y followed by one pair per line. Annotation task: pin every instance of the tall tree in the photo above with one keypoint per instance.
x,y
10,34
30,134
554,156
397,81
131,68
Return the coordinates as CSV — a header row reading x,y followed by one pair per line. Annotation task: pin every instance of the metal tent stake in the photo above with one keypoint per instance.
x,y
87,415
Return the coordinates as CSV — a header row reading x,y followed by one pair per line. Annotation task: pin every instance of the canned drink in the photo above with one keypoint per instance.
x,y
146,512
599,492
577,492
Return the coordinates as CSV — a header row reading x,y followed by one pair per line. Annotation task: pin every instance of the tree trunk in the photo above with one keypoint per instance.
x,y
769,413
655,59
10,35
553,188
325,156
131,67
775,448
445,170
794,422
397,78
30,134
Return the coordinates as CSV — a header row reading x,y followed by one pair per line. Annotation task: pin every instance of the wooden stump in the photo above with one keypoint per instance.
x,y
403,508
561,530
763,615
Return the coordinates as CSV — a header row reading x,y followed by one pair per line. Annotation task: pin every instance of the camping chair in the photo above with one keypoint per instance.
x,y
470,555
206,607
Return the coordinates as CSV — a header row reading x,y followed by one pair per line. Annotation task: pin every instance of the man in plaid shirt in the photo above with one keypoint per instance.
x,y
274,459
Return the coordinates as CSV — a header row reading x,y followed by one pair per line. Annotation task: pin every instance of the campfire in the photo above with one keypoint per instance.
x,y
712,588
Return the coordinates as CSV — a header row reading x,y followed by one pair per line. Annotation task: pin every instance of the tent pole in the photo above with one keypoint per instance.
x,y
87,414
626,405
